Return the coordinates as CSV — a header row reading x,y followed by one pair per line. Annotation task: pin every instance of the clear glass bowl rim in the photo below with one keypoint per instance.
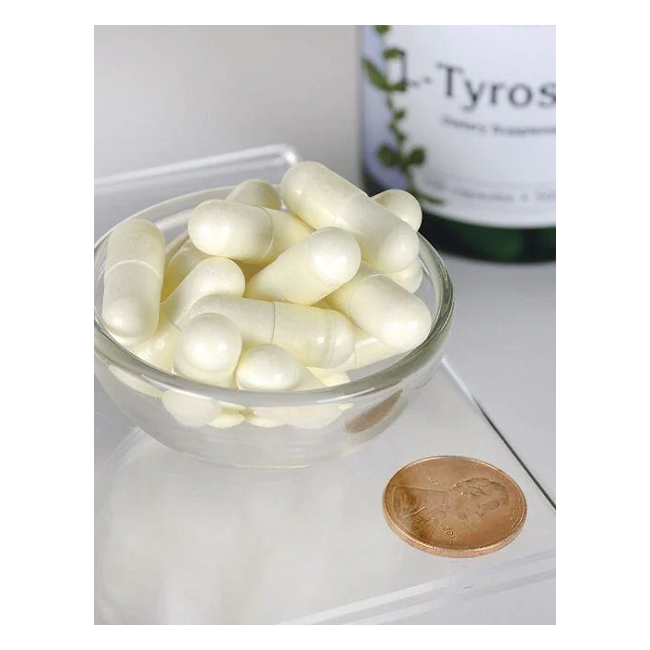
x,y
112,353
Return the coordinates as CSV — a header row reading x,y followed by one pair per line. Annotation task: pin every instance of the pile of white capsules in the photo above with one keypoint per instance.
x,y
256,298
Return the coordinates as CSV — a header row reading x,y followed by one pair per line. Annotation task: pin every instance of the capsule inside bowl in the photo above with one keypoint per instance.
x,y
309,424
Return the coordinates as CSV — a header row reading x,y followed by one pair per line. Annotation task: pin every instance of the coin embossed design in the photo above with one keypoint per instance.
x,y
454,506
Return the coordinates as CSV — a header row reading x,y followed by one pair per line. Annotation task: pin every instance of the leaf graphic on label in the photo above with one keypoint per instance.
x,y
416,156
388,156
396,157
393,53
374,75
397,133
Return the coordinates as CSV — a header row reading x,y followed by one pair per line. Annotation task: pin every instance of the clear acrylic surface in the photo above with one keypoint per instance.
x,y
182,541
179,540
117,197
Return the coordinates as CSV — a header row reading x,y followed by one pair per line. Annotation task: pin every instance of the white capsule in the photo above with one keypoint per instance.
x,y
214,275
310,270
227,419
267,367
135,260
180,264
329,378
244,232
270,368
256,192
174,246
158,350
315,337
383,309
181,256
323,198
191,410
367,350
255,319
402,205
208,350
314,416
410,278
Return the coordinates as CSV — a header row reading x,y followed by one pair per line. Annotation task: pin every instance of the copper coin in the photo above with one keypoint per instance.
x,y
454,506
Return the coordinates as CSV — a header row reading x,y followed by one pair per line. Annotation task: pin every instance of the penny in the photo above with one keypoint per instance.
x,y
454,506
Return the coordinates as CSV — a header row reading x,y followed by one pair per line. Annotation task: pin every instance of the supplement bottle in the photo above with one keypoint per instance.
x,y
464,118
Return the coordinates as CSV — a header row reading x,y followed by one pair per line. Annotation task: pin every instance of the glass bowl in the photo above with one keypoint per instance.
x,y
296,429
